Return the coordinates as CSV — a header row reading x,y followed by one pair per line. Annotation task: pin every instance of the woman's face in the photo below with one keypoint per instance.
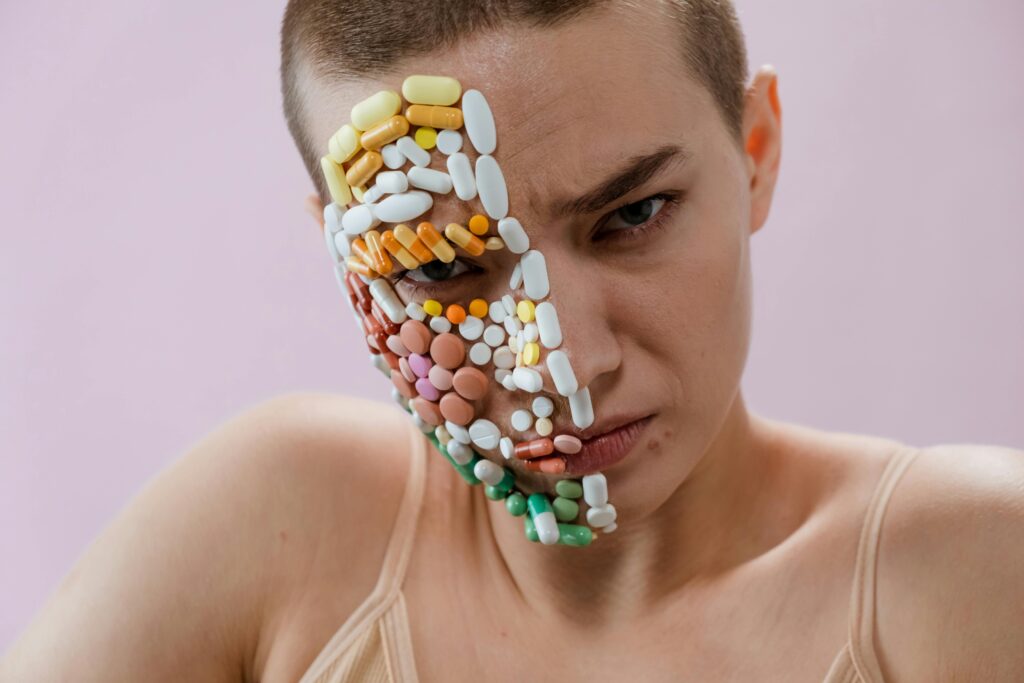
x,y
649,272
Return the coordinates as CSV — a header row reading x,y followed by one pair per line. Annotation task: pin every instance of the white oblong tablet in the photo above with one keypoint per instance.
x,y
595,490
489,472
332,217
561,373
449,141
516,239
602,516
547,325
490,184
581,408
458,432
393,158
512,325
484,434
358,220
440,324
402,207
459,452
372,195
517,277
507,448
479,121
413,152
415,311
430,180
527,379
535,275
392,182
342,244
462,176
384,295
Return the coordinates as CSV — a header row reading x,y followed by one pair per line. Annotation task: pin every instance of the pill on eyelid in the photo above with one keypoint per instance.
x,y
547,325
484,434
447,350
456,409
521,420
439,90
416,336
413,152
434,116
430,179
511,230
440,377
455,313
334,176
470,383
440,325
363,168
479,121
527,379
581,408
408,239
376,108
525,310
517,277
449,142
393,158
490,184
479,224
535,274
425,137
432,306
392,182
471,328
478,307
404,206
562,373
461,172
393,247
437,244
384,132
464,238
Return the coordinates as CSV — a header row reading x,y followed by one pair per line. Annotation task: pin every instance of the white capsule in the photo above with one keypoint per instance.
x,y
517,277
509,303
528,379
440,324
543,406
384,295
602,516
415,311
485,434
371,196
595,490
535,275
490,183
488,472
581,408
547,325
460,452
458,432
392,182
449,141
359,219
393,158
507,447
461,172
504,359
521,420
332,217
516,239
497,311
547,528
480,354
428,179
494,335
562,373
479,121
413,152
403,207
509,382
530,333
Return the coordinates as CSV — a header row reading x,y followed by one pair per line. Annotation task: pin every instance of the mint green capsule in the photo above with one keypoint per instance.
x,y
543,518
531,529
516,504
574,534
495,493
569,488
565,509
507,482
465,471
538,504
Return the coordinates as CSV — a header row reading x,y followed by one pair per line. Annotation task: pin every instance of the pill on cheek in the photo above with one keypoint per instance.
x,y
497,311
392,157
334,176
416,336
461,172
384,132
456,409
385,296
562,373
448,351
396,346
470,383
358,220
494,244
504,359
449,142
429,179
542,406
344,144
543,426
471,328
490,184
479,122
525,310
494,335
517,277
455,313
413,152
547,325
521,420
581,408
511,230
535,274
403,385
403,207
431,306
440,377
484,434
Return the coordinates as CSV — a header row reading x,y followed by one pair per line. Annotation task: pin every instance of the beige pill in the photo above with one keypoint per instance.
x,y
433,116
386,132
337,184
363,168
442,90
344,144
375,109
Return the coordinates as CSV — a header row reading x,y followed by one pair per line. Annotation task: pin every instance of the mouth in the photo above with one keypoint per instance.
x,y
601,446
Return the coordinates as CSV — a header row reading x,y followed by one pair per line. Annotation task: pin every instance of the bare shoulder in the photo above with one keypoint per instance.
x,y
203,571
950,575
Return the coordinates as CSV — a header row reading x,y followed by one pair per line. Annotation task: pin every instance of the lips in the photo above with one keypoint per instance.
x,y
604,445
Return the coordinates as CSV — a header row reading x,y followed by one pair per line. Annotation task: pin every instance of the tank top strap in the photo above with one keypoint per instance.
x,y
862,601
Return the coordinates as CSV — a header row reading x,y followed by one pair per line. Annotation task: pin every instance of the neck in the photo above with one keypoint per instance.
x,y
712,521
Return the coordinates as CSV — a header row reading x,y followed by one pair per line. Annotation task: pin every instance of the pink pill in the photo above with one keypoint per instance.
x,y
420,364
426,389
440,377
564,443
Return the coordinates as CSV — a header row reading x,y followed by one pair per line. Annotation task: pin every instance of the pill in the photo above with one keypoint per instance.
x,y
384,132
601,516
392,182
440,90
449,142
381,261
359,193
344,144
480,353
525,310
429,179
416,336
363,168
517,277
610,528
542,406
506,447
334,176
521,420
434,116
595,490
543,426
461,172
420,424
464,238
569,488
489,472
458,432
459,451
392,157
565,509
440,376
470,383
420,364
566,443
447,350
512,325
332,217
455,313
504,359
415,311
562,373
471,328
493,243
413,152
509,303
508,381
408,239
403,385
432,306
494,335
547,325
425,137
581,408
456,409
535,274
332,245
373,195
511,230
484,434
530,332
440,325
442,434
514,346
437,244
479,121
428,411
527,379
358,220
543,517
389,326
478,307
537,448
490,184
384,295
376,108
500,374
404,206
400,253
479,224
554,464
428,391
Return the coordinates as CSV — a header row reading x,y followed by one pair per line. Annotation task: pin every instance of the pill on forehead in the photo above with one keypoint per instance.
x,y
430,179
490,183
562,373
434,116
392,157
581,408
447,350
403,207
413,152
509,303
479,121
428,411
461,172
511,230
440,90
485,434
344,144
416,336
535,274
449,141
428,390
480,353
456,409
512,325
440,377
334,176
392,182
376,108
470,383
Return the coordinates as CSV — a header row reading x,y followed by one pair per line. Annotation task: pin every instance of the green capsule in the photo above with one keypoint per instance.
x,y
574,534
467,470
495,493
516,504
569,488
531,530
565,509
507,482
537,504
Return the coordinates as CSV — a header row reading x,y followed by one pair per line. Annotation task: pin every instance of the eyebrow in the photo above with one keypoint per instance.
x,y
634,173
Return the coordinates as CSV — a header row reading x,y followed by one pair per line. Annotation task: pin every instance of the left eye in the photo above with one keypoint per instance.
x,y
437,271
636,213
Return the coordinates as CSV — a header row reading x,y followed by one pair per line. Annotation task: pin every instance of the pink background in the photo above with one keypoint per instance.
x,y
157,273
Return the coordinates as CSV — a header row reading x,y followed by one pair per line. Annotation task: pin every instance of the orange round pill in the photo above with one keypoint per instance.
x,y
456,314
478,224
456,409
428,411
470,383
478,307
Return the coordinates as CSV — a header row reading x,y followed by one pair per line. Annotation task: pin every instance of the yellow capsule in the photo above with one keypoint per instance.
x,y
381,261
479,224
531,353
363,168
442,90
395,248
433,307
478,308
525,310
408,239
435,117
383,133
464,238
344,144
356,265
334,175
426,137
494,244
435,242
376,108
362,252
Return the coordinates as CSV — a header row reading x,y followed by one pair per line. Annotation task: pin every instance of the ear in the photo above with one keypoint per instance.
x,y
315,208
762,134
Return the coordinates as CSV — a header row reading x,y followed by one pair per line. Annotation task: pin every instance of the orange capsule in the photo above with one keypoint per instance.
x,y
456,314
357,266
552,465
408,239
434,116
385,132
464,238
537,448
381,261
479,224
437,244
360,250
394,248
363,168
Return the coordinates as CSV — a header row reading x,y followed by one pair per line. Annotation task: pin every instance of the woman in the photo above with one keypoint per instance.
x,y
322,538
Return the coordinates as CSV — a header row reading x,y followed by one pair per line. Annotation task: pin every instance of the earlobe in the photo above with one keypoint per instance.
x,y
315,208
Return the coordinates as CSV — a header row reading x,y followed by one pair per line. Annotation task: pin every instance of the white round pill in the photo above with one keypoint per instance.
x,y
521,420
494,335
504,358
485,434
471,328
508,381
497,311
530,332
543,406
480,353
440,324
449,141
544,426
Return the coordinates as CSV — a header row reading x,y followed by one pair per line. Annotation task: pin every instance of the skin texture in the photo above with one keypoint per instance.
x,y
737,534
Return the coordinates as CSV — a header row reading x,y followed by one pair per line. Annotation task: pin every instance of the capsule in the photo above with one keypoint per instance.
x,y
435,242
433,116
548,465
407,238
356,265
395,248
381,261
337,185
536,448
361,250
376,108
344,144
543,518
464,238
385,132
440,90
363,168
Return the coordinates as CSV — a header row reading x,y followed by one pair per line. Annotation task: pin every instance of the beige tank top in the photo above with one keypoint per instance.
x,y
374,645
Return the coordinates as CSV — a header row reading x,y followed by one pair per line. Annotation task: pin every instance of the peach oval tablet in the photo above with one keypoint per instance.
x,y
406,370
447,350
404,387
440,377
416,336
428,411
470,383
566,443
456,409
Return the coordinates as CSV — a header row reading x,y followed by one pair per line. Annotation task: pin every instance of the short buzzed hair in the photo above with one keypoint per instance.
x,y
347,39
